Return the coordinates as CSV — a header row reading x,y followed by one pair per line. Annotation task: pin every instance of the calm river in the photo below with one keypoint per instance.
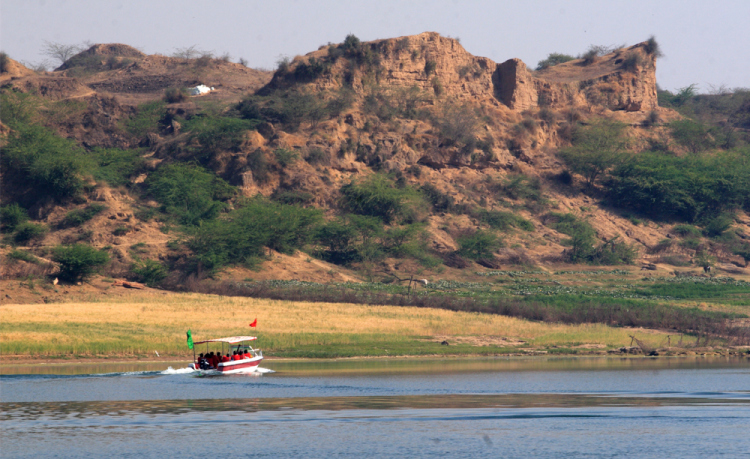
x,y
492,407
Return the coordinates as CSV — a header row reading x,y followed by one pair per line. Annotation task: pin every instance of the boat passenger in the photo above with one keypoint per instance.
x,y
247,354
225,358
213,360
235,356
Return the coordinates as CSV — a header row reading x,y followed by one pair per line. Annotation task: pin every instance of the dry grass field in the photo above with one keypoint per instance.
x,y
144,322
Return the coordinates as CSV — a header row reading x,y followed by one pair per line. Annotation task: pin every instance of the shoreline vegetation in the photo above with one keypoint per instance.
x,y
139,325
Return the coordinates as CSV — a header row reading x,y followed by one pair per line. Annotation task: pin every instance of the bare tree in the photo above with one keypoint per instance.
x,y
60,51
190,52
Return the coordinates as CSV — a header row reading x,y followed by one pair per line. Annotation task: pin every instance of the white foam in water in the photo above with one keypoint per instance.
x,y
179,371
188,370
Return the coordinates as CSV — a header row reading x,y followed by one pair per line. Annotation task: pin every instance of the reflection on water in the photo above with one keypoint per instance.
x,y
553,407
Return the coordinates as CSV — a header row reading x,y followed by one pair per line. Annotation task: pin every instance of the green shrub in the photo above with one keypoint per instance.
x,y
590,56
688,231
378,197
116,166
258,165
458,125
504,221
632,62
239,237
78,217
216,134
23,256
553,59
150,272
4,61
146,119
652,47
692,135
189,193
429,67
441,202
292,107
121,231
596,149
175,95
339,240
78,261
689,188
478,245
718,225
11,216
316,156
285,157
519,186
294,197
582,239
49,165
27,232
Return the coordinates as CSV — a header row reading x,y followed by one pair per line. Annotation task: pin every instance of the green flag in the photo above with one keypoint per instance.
x,y
190,339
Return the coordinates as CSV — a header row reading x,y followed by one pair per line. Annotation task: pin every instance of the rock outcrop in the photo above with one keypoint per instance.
x,y
622,80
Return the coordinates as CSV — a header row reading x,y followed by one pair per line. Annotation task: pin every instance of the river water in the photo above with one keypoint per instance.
x,y
490,407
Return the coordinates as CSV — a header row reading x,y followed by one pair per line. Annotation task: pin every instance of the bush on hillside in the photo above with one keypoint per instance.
x,y
49,165
653,48
78,217
240,236
429,67
285,157
504,221
149,272
693,188
692,135
116,166
292,107
378,197
78,261
28,232
458,124
553,59
175,95
478,245
146,119
11,216
4,61
582,239
217,133
687,231
596,149
188,192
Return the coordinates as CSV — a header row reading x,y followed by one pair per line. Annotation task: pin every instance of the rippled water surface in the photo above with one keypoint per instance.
x,y
459,407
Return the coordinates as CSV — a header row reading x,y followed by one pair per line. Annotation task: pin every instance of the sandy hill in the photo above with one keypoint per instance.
x,y
478,135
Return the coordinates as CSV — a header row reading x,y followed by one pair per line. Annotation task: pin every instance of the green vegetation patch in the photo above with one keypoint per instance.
x,y
189,193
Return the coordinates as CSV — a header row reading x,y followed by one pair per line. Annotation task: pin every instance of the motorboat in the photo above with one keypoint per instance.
x,y
247,363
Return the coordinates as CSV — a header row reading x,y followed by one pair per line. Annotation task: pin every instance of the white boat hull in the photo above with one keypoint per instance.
x,y
233,367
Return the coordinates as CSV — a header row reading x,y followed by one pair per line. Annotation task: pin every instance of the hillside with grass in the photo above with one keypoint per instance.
x,y
380,163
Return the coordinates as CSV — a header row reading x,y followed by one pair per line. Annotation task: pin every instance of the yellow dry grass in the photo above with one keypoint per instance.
x,y
158,320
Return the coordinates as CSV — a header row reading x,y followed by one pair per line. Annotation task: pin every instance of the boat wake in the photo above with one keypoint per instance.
x,y
188,370
179,371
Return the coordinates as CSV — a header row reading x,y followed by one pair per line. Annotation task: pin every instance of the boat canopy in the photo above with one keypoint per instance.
x,y
230,340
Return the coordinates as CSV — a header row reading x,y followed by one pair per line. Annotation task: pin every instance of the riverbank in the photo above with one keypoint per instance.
x,y
145,324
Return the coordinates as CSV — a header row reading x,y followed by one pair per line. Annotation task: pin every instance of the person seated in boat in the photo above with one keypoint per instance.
x,y
213,360
225,358
235,356
247,354
202,363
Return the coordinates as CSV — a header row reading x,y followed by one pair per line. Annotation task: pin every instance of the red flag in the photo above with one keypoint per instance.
x,y
255,323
